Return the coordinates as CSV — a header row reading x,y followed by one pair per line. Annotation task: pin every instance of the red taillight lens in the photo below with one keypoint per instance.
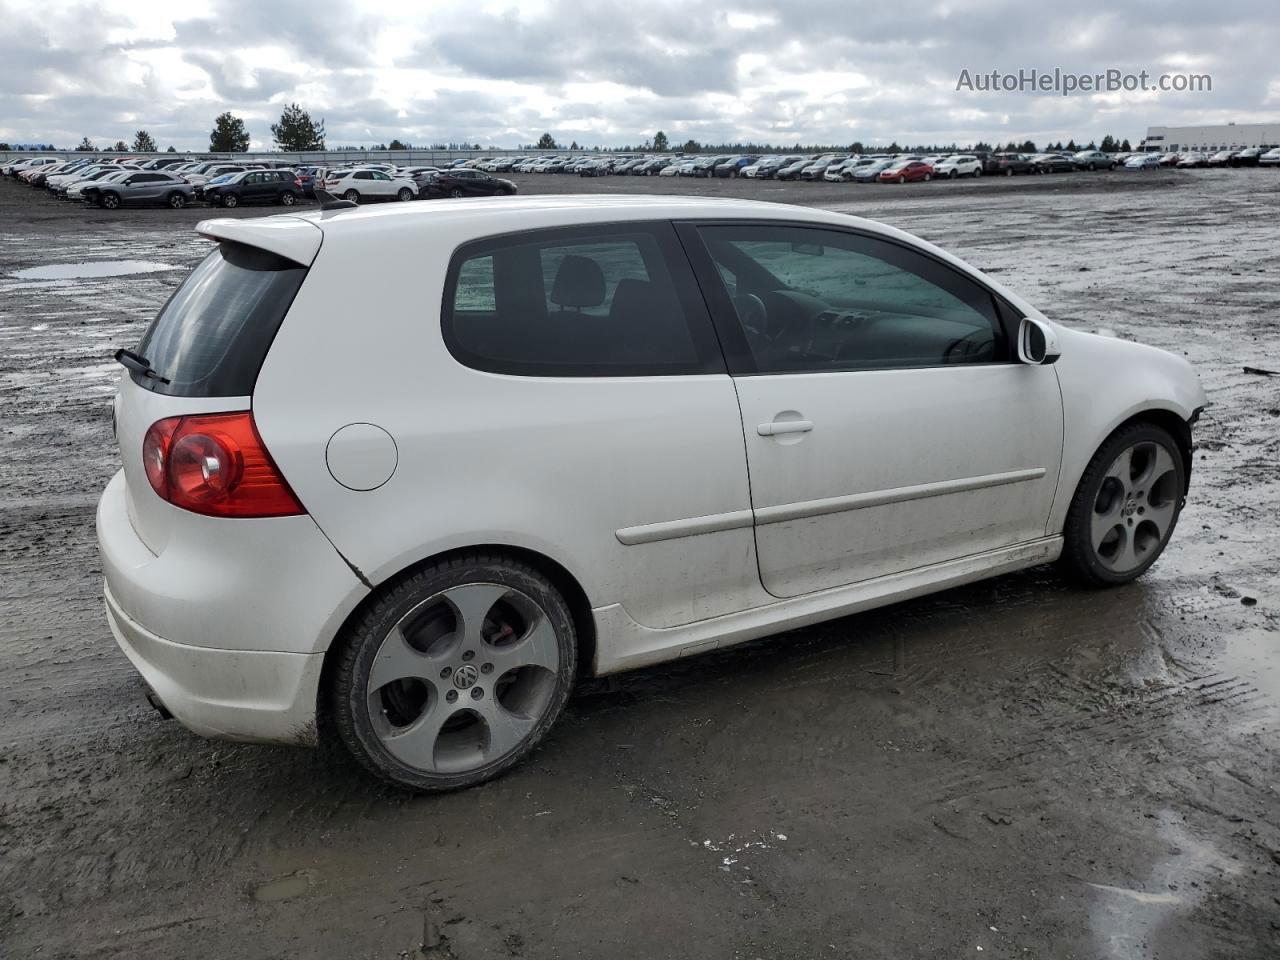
x,y
216,464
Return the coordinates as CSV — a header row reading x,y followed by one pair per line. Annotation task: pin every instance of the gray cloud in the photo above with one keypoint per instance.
x,y
692,70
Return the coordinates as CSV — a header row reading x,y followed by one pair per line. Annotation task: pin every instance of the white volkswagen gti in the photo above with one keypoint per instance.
x,y
578,435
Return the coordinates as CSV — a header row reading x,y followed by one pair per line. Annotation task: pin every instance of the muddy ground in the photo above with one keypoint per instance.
x,y
1012,769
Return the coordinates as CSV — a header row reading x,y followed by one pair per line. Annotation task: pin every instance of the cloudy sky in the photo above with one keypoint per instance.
x,y
613,71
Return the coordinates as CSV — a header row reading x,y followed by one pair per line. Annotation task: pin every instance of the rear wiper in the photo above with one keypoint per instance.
x,y
138,364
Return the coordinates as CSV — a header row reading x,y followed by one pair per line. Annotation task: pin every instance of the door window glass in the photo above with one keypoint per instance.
x,y
810,299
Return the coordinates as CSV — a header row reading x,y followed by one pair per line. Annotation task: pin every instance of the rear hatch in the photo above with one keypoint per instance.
x,y
209,341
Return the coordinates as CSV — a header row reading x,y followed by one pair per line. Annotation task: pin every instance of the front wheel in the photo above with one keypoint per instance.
x,y
229,200
902,179
952,175
454,673
1125,506
176,201
977,173
928,177
111,201
1008,171
404,194
455,193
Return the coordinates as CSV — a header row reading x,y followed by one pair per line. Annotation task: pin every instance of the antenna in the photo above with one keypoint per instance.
x,y
329,202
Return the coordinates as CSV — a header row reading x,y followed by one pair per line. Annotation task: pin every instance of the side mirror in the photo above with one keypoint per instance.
x,y
1037,343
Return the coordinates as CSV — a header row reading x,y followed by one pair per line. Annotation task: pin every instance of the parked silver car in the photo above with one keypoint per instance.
x,y
146,187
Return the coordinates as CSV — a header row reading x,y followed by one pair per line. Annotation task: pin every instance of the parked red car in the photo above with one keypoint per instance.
x,y
907,172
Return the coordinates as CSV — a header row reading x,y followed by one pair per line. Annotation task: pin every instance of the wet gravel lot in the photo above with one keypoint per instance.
x,y
1011,769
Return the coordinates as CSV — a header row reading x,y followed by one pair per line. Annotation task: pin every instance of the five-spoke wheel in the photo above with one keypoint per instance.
x,y
455,673
1126,506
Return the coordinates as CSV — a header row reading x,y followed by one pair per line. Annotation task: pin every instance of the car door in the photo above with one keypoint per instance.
x,y
887,425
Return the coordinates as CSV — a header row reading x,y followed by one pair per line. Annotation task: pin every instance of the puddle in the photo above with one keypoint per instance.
x,y
284,888
98,268
1126,920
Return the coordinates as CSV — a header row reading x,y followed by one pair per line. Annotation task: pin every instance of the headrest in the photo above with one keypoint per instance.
x,y
579,283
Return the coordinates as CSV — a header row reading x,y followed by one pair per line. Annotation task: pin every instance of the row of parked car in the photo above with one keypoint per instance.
x,y
178,181
859,168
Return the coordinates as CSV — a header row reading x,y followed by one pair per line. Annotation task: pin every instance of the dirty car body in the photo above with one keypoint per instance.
x,y
547,475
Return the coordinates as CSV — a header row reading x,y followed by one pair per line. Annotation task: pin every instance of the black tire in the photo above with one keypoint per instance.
x,y
352,195
287,198
928,177
1008,171
229,200
404,194
109,200
358,646
901,179
455,193
1091,166
953,175
176,200
1079,559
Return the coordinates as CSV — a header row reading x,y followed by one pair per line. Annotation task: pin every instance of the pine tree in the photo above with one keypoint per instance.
x,y
121,147
1125,148
142,142
297,131
546,142
397,145
660,143
1108,144
86,146
228,135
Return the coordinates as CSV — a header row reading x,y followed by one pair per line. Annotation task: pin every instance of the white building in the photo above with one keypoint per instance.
x,y
1223,136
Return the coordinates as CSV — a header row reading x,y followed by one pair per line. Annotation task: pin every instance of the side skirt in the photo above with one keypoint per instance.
x,y
625,645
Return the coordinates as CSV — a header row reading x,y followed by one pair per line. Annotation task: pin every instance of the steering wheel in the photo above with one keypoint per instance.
x,y
752,314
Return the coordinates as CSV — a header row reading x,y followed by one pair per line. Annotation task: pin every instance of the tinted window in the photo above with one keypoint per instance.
x,y
211,337
809,299
592,301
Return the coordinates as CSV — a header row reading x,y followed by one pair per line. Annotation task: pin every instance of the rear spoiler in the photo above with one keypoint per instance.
x,y
290,237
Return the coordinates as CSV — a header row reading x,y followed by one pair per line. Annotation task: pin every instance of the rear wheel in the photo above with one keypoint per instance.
x,y
1125,507
977,173
176,200
1008,171
288,199
902,179
454,673
928,177
352,195
455,193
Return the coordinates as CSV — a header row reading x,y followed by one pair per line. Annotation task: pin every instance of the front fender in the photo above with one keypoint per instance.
x,y
1106,382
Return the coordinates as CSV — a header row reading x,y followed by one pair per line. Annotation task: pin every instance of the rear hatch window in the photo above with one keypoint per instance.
x,y
210,339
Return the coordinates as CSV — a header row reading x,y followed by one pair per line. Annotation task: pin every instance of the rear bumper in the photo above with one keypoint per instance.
x,y
229,623
229,694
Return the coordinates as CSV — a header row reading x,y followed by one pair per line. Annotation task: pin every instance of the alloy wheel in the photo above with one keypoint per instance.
x,y
1135,507
463,678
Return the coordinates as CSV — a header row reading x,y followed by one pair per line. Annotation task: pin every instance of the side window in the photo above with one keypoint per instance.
x,y
616,300
362,175
814,300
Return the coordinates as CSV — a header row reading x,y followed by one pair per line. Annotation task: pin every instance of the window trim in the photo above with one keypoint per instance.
x,y
702,330
737,352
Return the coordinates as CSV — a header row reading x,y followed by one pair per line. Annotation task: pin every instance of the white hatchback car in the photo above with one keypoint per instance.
x,y
581,435
357,185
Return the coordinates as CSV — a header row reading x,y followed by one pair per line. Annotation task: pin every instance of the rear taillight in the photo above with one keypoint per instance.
x,y
297,181
216,464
